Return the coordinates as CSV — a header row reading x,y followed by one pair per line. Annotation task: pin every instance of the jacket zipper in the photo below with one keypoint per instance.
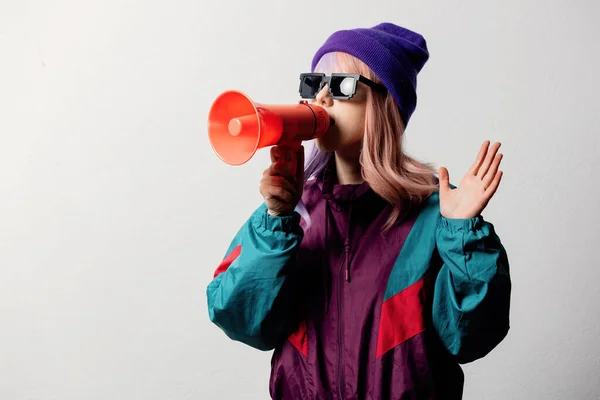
x,y
345,262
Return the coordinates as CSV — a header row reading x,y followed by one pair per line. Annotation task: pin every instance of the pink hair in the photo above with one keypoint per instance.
x,y
396,177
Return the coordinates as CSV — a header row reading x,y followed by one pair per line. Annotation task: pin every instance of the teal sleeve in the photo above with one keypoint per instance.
x,y
472,291
252,301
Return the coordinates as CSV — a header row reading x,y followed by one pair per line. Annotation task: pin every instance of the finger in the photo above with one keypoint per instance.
x,y
282,168
290,154
488,160
480,157
281,181
275,153
444,177
491,174
491,190
276,192
284,159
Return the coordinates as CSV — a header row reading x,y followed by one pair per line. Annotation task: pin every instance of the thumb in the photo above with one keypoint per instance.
x,y
444,179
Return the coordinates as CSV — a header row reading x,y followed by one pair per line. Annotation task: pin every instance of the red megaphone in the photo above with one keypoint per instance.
x,y
237,127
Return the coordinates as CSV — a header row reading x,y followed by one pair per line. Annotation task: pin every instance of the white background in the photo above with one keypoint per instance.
x,y
114,210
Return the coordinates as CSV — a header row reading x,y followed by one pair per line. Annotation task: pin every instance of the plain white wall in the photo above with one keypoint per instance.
x,y
114,210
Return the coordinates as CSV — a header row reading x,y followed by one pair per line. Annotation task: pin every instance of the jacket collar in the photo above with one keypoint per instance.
x,y
332,190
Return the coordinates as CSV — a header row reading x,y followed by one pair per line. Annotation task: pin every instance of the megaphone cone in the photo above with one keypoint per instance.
x,y
238,127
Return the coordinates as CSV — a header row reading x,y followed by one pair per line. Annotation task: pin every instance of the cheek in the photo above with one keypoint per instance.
x,y
352,125
348,129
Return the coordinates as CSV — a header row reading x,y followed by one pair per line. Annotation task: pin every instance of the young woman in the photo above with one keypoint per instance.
x,y
368,276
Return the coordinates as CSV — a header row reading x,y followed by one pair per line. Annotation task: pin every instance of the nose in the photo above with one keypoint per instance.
x,y
323,98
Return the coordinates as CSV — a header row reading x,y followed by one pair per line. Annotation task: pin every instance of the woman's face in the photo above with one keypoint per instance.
x,y
349,116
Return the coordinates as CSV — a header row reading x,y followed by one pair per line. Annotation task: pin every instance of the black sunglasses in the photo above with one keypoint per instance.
x,y
341,86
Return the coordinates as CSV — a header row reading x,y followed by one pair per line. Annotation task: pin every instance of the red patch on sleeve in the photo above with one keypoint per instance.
x,y
228,260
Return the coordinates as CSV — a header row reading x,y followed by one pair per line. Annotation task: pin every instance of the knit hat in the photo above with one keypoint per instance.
x,y
395,54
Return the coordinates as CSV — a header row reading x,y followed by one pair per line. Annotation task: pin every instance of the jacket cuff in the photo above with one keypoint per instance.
x,y
287,224
461,225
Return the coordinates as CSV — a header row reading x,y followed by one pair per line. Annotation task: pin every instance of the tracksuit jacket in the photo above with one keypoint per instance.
x,y
352,312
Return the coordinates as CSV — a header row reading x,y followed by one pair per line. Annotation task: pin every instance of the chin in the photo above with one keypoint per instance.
x,y
330,146
329,142
325,146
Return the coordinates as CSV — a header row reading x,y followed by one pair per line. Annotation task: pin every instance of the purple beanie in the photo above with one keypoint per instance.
x,y
395,54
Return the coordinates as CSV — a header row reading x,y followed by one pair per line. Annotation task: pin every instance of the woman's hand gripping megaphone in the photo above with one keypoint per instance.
x,y
282,183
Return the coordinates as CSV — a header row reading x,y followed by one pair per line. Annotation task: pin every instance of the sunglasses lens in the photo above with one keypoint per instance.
x,y
310,85
342,86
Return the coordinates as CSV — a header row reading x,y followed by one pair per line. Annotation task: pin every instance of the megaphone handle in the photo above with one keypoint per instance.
x,y
294,147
